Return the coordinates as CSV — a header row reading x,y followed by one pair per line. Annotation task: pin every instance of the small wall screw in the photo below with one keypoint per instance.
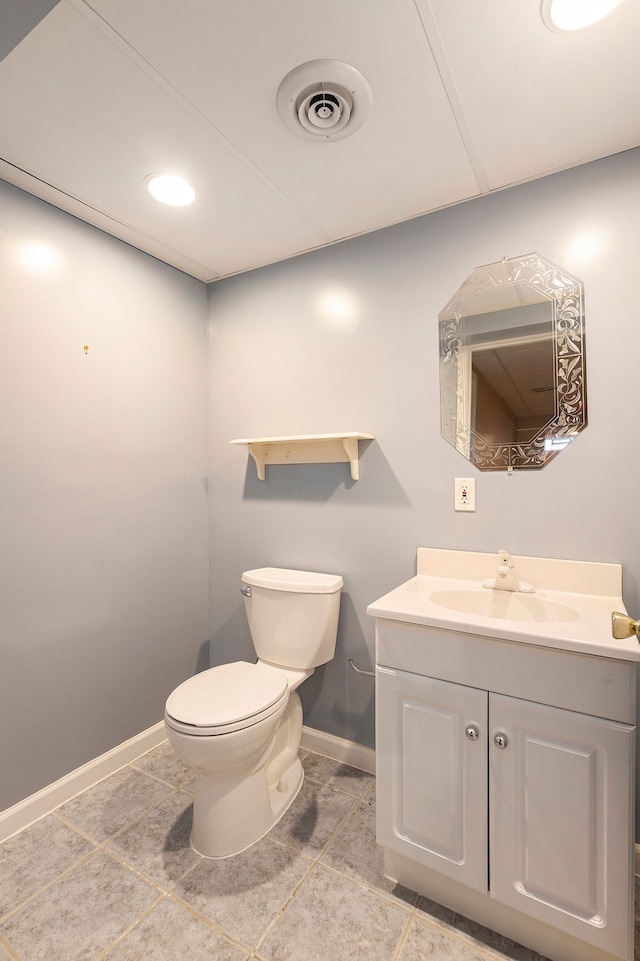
x,y
86,348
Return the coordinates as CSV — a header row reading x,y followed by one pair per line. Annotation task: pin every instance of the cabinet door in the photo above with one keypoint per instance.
x,y
431,746
561,808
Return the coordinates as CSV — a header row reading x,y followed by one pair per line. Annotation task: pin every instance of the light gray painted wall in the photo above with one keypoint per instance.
x,y
103,587
103,500
18,18
280,364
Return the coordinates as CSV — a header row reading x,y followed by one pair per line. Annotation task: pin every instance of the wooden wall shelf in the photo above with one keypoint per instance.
x,y
305,449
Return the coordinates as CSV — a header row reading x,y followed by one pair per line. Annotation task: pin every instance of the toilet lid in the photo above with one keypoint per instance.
x,y
227,695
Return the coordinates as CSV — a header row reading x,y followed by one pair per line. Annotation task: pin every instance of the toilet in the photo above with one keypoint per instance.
x,y
239,725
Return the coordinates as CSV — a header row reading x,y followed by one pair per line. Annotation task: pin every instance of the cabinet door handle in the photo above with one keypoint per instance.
x,y
472,732
501,741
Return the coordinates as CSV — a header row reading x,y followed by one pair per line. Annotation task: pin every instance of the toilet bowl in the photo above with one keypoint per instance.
x,y
239,725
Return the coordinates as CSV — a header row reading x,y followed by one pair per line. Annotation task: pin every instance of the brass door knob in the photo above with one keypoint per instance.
x,y
623,626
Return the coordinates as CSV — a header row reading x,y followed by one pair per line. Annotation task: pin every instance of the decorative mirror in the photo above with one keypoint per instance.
x,y
512,364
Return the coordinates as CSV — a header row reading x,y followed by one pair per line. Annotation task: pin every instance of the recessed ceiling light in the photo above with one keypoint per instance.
x,y
170,189
564,16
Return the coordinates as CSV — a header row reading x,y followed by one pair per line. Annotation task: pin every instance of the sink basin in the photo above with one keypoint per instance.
x,y
505,605
569,611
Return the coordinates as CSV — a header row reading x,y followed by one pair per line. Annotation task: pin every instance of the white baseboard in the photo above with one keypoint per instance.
x,y
32,808
338,749
38,805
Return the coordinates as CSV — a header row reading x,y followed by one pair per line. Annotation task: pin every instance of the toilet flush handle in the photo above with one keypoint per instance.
x,y
246,591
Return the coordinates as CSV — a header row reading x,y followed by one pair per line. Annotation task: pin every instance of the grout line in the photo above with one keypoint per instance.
x,y
138,818
387,896
332,787
48,885
98,846
317,863
484,950
131,867
284,907
134,820
315,857
209,923
409,909
75,827
169,890
313,862
156,777
5,947
129,929
403,939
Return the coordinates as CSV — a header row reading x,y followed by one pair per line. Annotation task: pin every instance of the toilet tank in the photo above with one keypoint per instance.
x,y
293,615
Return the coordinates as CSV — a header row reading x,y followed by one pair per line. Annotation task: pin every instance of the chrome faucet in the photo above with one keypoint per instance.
x,y
507,577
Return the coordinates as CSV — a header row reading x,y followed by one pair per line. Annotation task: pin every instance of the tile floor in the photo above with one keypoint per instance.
x,y
110,875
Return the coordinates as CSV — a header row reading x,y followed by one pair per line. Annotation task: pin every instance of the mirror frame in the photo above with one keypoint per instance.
x,y
566,296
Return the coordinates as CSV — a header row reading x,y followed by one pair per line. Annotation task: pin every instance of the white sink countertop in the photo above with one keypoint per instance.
x,y
570,609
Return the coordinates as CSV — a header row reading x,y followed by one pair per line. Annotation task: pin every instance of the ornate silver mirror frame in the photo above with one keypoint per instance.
x,y
512,364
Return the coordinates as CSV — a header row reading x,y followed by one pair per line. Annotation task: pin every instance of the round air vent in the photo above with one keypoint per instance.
x,y
324,100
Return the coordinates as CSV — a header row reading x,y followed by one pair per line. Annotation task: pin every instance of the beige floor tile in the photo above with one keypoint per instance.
x,y
113,803
354,852
330,917
171,933
476,934
312,819
162,762
337,775
425,943
158,843
66,901
79,915
35,857
243,894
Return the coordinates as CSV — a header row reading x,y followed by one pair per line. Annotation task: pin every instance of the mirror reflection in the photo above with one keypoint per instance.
x,y
512,364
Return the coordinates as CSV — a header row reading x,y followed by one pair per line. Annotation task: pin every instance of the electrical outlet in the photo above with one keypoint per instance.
x,y
465,494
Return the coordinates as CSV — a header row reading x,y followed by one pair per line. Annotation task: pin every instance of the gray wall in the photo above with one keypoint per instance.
x,y
104,579
103,503
281,364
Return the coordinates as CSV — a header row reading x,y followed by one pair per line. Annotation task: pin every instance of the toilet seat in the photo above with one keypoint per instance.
x,y
227,698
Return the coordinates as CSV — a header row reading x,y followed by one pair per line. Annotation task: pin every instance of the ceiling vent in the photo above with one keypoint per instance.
x,y
324,100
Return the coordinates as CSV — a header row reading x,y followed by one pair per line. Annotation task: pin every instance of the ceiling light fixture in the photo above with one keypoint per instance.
x,y
565,16
170,189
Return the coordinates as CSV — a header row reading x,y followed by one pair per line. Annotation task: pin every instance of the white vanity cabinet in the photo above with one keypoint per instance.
x,y
432,775
505,785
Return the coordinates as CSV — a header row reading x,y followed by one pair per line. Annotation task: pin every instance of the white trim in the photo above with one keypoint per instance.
x,y
636,866
32,808
338,749
36,806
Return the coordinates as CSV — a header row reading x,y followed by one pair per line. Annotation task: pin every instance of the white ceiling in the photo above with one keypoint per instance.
x,y
468,98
